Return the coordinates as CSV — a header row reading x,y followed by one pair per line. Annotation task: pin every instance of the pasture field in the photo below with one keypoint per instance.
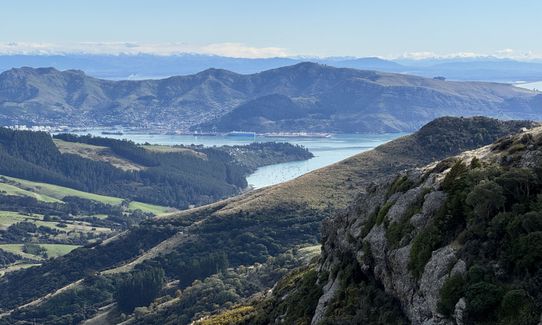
x,y
53,250
59,192
7,218
54,193
97,153
9,189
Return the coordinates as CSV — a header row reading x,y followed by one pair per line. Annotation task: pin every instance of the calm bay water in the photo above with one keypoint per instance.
x,y
326,150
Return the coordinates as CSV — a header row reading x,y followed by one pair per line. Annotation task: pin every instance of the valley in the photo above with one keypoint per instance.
x,y
206,254
47,211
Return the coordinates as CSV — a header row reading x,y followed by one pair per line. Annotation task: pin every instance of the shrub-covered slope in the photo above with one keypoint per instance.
x,y
455,242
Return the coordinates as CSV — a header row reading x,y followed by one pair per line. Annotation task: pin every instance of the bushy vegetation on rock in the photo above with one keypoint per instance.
x,y
501,224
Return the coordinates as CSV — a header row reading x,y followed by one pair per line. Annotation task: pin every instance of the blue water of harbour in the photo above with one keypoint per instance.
x,y
326,151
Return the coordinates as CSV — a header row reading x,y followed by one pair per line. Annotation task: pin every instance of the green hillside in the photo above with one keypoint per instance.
x,y
194,247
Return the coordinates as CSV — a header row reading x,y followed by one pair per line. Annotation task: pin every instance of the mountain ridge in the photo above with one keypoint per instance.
x,y
124,66
329,100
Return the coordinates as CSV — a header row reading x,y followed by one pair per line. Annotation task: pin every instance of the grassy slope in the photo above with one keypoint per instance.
x,y
16,267
14,190
7,218
55,192
97,153
59,192
165,148
334,187
53,250
155,209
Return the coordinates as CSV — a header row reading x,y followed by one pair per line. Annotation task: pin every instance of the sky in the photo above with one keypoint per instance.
x,y
269,28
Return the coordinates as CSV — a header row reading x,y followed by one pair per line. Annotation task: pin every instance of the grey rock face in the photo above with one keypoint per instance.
x,y
329,292
459,311
435,273
390,267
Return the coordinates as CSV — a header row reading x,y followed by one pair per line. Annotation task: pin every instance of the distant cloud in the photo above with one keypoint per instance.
x,y
237,50
433,55
240,50
500,54
116,48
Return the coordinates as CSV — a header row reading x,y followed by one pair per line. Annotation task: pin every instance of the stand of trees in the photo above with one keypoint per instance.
x,y
139,288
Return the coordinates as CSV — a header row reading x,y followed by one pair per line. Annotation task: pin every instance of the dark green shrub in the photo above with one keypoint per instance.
x,y
486,199
422,248
517,308
457,170
383,212
369,224
361,300
518,184
34,249
482,298
516,148
451,291
477,274
475,163
527,252
396,231
401,184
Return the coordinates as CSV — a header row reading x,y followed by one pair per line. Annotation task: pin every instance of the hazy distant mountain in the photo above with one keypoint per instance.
x,y
364,64
488,69
301,97
143,65
154,66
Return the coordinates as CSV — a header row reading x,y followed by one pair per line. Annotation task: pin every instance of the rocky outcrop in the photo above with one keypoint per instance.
x,y
389,266
379,230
